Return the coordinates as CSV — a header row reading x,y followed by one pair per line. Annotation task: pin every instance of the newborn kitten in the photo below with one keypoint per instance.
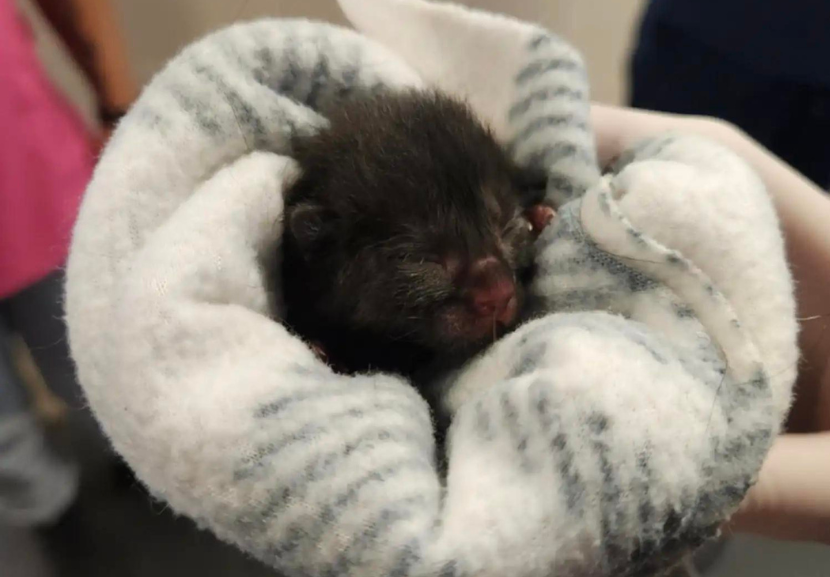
x,y
408,235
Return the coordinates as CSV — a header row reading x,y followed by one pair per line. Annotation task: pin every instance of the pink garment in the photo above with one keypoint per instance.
x,y
46,160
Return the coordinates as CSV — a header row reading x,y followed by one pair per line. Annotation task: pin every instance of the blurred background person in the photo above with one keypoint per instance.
x,y
762,66
47,154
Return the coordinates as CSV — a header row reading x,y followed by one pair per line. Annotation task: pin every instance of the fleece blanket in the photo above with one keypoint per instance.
x,y
609,436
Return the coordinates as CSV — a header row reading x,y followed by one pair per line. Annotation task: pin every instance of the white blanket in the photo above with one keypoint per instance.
x,y
605,438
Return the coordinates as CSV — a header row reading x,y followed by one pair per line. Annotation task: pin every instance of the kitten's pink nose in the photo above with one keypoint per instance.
x,y
492,291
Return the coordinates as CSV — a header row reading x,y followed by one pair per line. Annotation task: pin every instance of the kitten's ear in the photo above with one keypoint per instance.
x,y
305,223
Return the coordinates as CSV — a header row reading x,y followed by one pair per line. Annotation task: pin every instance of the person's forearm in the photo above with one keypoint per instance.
x,y
792,501
90,30
805,216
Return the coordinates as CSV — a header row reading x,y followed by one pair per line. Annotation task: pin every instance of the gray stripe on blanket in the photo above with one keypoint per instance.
x,y
528,358
560,449
315,86
559,106
545,65
554,152
324,466
483,422
516,429
320,77
403,510
290,81
611,512
547,123
247,119
310,432
197,110
341,504
562,185
543,95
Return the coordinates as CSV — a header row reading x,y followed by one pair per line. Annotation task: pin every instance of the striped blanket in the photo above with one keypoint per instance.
x,y
608,437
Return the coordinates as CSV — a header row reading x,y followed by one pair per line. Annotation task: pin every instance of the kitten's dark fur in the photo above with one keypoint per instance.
x,y
397,202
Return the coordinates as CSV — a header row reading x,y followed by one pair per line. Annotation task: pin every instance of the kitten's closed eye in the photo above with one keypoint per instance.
x,y
424,282
417,259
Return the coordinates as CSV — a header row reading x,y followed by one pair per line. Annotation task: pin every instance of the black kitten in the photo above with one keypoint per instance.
x,y
407,235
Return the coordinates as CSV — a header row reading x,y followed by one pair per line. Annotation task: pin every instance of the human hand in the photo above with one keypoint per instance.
x,y
791,499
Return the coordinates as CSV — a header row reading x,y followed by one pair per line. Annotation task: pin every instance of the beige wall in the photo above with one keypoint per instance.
x,y
157,29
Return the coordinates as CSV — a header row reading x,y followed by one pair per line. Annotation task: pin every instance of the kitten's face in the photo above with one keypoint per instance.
x,y
444,277
411,223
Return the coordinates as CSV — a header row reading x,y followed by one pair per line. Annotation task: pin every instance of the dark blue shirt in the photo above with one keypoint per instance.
x,y
781,38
